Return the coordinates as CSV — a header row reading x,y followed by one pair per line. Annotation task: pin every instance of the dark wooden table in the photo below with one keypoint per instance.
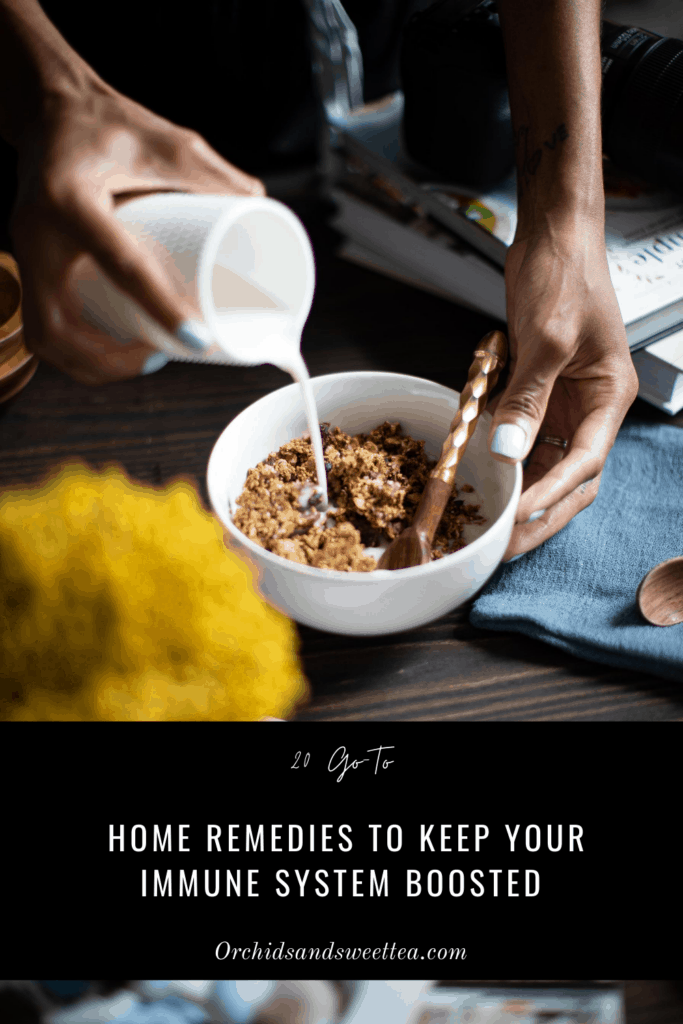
x,y
164,425
654,1002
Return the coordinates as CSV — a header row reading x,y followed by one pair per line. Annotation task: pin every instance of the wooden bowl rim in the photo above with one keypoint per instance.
x,y
15,322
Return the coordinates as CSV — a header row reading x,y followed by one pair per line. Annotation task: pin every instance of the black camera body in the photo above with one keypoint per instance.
x,y
457,120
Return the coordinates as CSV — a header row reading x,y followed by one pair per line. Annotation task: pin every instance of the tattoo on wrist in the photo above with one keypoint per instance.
x,y
559,135
528,160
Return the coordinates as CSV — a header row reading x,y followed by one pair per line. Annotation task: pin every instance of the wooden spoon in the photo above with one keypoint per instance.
x,y
660,594
414,545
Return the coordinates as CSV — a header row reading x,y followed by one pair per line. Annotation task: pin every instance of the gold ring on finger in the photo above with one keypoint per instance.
x,y
559,442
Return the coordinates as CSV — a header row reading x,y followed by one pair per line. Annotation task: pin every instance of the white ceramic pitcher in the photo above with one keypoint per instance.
x,y
247,261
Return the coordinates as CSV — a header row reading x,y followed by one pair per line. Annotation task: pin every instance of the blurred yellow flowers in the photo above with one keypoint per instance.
x,y
120,602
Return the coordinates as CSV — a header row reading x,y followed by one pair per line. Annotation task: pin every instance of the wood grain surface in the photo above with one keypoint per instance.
x,y
164,426
654,1002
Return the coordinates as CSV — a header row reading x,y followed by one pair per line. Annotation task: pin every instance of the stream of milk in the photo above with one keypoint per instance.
x,y
268,336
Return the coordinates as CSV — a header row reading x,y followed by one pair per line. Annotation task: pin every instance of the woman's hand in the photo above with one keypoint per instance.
x,y
90,149
571,375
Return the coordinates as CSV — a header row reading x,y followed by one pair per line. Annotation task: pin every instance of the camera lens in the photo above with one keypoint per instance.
x,y
642,103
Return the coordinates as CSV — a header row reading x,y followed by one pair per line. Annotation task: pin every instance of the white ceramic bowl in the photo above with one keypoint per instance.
x,y
356,603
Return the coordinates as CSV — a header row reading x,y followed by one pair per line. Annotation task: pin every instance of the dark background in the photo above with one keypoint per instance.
x,y
69,902
236,71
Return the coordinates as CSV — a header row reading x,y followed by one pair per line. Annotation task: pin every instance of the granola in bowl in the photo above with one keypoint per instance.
x,y
375,482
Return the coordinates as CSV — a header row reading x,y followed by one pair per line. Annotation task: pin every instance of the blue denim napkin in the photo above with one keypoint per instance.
x,y
577,591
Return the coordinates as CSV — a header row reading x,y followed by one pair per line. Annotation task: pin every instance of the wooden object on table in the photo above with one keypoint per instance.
x,y
414,545
17,364
660,594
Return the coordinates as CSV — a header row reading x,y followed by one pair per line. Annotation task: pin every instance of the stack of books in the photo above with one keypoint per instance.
x,y
452,241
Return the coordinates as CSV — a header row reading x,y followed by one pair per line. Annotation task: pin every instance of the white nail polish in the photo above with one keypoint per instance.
x,y
536,515
510,440
194,334
154,363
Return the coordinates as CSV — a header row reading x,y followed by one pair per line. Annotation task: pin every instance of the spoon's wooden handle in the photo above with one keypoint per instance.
x,y
489,360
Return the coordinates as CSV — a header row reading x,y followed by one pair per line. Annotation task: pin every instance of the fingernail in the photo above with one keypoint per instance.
x,y
515,557
509,440
194,334
536,515
154,363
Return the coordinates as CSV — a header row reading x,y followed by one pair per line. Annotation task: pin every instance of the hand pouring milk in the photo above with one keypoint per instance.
x,y
248,264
